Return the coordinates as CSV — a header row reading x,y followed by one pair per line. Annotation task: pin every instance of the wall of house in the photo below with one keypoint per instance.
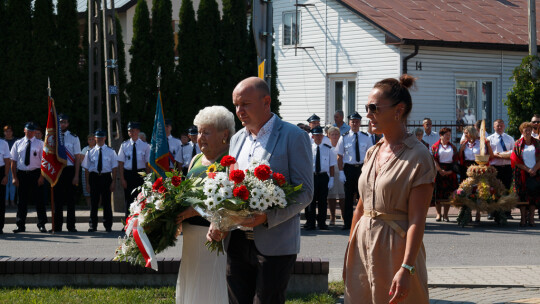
x,y
342,43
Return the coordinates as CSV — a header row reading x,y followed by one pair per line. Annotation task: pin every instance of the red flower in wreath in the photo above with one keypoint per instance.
x,y
237,176
241,192
176,181
262,172
162,189
157,184
211,175
227,160
279,178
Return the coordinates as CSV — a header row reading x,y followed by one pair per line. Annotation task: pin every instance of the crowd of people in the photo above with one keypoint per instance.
x,y
96,166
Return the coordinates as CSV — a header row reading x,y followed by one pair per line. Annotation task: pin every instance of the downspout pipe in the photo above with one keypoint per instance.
x,y
409,57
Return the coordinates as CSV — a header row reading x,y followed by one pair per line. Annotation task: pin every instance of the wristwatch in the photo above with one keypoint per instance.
x,y
411,269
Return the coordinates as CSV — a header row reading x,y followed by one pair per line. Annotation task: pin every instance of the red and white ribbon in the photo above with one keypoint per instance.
x,y
142,241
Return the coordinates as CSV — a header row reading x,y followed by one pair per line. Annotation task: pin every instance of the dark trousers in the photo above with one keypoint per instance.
x,y
100,189
352,174
64,195
2,195
133,180
253,277
319,202
184,170
28,193
504,174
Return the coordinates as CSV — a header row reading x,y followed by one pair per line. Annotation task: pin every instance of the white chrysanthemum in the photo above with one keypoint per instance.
x,y
221,177
134,208
256,193
159,205
226,192
210,189
253,203
262,204
210,203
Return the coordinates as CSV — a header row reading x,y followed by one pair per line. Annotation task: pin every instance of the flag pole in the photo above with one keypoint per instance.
x,y
52,188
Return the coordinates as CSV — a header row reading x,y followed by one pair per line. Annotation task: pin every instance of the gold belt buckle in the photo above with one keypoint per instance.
x,y
373,214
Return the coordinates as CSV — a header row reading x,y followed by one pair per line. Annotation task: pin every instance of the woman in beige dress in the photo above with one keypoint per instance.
x,y
385,260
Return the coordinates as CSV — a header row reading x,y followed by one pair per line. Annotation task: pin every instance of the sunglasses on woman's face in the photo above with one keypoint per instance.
x,y
536,122
375,108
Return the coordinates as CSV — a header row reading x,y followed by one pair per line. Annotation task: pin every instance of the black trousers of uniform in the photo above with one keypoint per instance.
x,y
133,180
319,202
28,193
64,195
352,174
253,277
100,188
2,195
504,174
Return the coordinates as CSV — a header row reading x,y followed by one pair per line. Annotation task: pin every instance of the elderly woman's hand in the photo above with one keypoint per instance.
x,y
189,212
215,235
401,284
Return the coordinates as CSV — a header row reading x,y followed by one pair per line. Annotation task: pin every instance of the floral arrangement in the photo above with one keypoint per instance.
x,y
151,226
482,191
229,196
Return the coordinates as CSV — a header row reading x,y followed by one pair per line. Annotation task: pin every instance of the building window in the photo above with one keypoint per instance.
x,y
291,28
343,94
475,101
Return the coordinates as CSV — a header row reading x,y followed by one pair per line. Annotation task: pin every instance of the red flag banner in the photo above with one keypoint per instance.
x,y
54,152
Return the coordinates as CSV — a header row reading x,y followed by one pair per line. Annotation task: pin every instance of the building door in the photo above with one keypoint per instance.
x,y
342,96
475,100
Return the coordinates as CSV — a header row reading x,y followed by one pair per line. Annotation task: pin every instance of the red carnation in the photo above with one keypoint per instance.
x,y
158,183
227,160
279,178
176,180
237,176
143,204
262,172
211,175
241,192
162,189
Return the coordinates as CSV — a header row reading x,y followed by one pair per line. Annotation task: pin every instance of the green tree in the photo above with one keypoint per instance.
x,y
274,91
142,87
122,77
44,55
234,48
524,98
163,43
68,88
208,38
187,69
252,67
3,59
18,69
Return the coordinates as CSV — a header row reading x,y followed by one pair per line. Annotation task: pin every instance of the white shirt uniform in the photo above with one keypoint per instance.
x,y
175,149
73,145
253,147
109,159
495,142
125,154
445,154
187,153
328,157
325,140
431,139
471,150
343,129
346,147
18,153
4,152
529,156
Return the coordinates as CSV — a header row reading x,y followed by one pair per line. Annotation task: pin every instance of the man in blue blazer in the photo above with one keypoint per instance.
x,y
260,262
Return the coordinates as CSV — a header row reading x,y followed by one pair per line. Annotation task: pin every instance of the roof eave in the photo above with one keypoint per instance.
x,y
460,44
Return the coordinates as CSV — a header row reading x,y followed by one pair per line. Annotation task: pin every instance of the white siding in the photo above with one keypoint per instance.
x,y
343,44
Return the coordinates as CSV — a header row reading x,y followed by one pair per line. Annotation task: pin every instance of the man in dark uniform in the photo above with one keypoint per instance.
x,y
314,121
64,190
324,161
133,158
26,156
191,149
5,166
174,146
100,165
352,147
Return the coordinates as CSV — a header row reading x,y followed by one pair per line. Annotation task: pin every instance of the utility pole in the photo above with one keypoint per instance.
x,y
262,19
532,34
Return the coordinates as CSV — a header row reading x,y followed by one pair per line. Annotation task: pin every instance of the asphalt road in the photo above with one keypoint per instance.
x,y
446,244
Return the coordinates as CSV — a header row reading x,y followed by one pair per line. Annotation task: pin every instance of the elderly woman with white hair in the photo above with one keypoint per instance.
x,y
202,276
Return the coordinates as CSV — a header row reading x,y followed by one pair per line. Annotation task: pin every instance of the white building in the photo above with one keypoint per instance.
x,y
466,52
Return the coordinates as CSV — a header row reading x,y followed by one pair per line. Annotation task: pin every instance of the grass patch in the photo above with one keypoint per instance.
x,y
159,295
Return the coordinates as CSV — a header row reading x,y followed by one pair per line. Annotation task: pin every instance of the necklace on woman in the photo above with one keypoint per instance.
x,y
445,146
471,145
395,149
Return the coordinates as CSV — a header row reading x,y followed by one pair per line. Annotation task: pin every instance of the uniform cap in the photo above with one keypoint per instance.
x,y
314,117
193,130
317,130
99,133
133,125
30,126
168,122
355,115
63,116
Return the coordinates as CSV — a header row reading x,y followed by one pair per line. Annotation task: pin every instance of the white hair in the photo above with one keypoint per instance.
x,y
217,116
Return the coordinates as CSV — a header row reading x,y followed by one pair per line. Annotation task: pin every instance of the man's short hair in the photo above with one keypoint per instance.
x,y
262,86
340,112
536,116
426,118
8,127
498,121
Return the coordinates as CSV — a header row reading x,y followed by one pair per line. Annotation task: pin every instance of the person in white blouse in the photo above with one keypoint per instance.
x,y
5,164
336,193
502,145
477,127
430,137
535,120
174,146
100,164
324,161
445,155
468,151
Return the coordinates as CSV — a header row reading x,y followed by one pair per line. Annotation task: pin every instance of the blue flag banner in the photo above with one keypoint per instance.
x,y
159,152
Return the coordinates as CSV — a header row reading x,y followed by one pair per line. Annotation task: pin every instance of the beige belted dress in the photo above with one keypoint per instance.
x,y
377,245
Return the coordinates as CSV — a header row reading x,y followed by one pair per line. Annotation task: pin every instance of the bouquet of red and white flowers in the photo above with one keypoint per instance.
x,y
229,198
151,226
